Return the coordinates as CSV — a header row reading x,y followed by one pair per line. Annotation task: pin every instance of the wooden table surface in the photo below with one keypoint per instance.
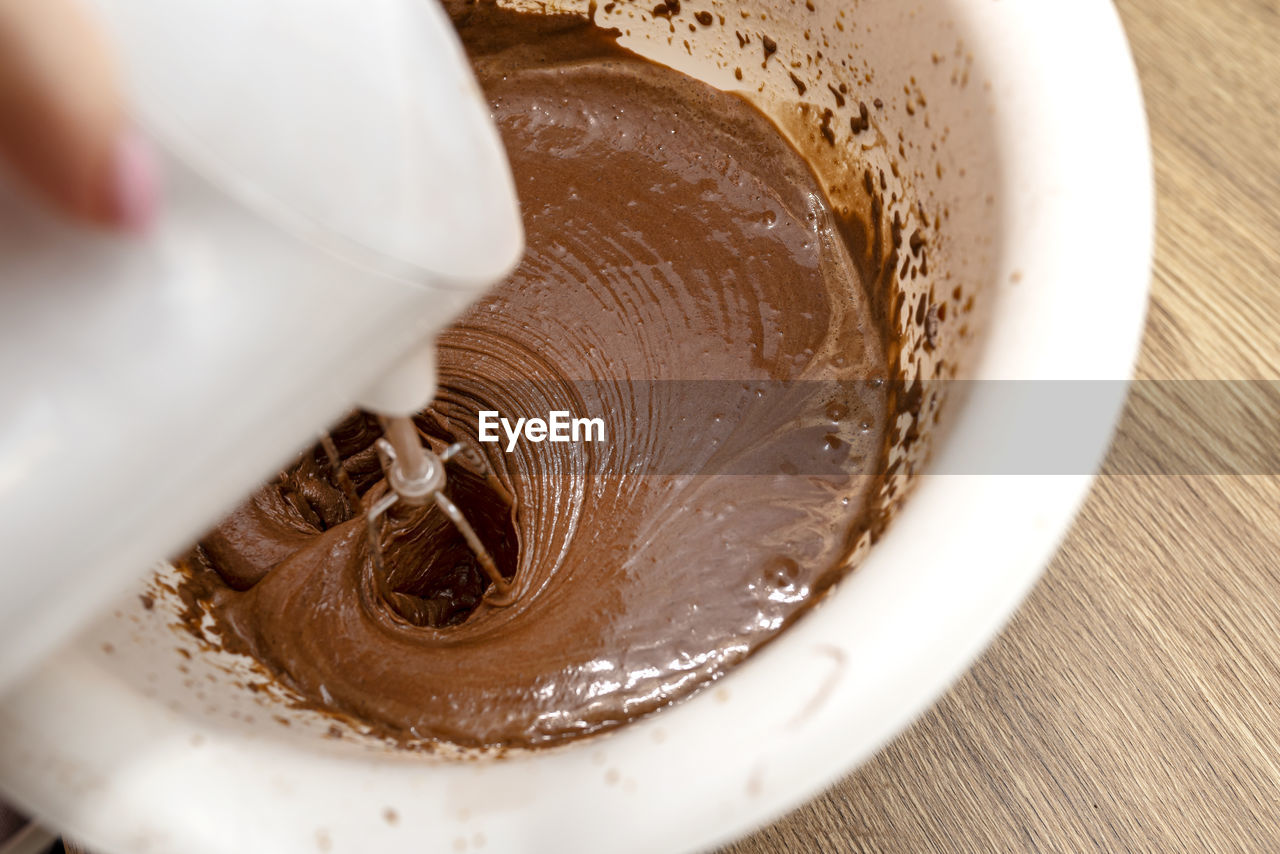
x,y
1132,703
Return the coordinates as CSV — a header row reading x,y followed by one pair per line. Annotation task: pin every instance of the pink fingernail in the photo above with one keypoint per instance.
x,y
135,183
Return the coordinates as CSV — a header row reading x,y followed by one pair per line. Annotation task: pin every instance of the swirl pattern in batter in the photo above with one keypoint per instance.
x,y
683,282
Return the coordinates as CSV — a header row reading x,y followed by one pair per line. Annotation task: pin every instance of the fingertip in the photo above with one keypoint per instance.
x,y
133,184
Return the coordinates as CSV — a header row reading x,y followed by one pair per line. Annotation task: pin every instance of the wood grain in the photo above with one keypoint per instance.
x,y
1132,703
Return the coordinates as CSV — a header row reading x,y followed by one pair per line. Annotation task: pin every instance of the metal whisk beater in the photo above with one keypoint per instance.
x,y
416,476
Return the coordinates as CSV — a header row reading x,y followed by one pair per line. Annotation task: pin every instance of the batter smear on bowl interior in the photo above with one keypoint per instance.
x,y
681,258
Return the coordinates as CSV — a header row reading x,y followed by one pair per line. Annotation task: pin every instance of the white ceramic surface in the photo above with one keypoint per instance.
x,y
133,754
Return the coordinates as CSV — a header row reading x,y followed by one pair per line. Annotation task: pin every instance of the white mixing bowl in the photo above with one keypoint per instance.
x,y
128,745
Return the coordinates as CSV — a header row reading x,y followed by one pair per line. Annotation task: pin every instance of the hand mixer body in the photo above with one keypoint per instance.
x,y
319,228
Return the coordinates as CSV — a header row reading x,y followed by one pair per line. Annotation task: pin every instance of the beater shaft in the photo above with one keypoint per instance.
x,y
411,454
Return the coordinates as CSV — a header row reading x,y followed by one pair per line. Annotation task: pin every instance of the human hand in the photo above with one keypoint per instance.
x,y
63,127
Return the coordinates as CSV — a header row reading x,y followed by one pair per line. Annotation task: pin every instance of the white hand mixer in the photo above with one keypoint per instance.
x,y
336,193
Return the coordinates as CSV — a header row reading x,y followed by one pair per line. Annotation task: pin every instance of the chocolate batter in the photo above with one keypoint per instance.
x,y
683,272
